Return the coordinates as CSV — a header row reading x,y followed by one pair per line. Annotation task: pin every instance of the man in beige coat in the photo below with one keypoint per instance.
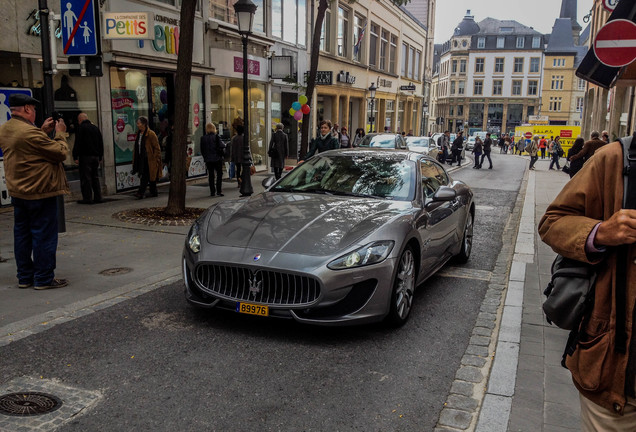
x,y
586,222
35,177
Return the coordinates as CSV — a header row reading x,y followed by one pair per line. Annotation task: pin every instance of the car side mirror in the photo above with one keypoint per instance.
x,y
268,181
443,194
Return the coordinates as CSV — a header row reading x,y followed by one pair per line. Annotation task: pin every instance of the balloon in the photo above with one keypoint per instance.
x,y
292,111
298,115
303,100
305,109
296,106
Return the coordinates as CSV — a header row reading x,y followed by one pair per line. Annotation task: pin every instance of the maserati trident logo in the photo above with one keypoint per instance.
x,y
256,285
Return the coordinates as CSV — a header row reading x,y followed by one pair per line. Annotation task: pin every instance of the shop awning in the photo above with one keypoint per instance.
x,y
591,69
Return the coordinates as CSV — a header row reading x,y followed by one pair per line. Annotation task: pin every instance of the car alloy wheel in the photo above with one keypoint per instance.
x,y
403,288
467,240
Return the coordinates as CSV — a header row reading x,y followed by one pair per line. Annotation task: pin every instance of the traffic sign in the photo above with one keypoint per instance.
x,y
528,135
5,92
615,43
610,5
78,27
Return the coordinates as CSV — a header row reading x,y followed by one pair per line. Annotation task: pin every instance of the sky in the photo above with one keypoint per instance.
x,y
539,14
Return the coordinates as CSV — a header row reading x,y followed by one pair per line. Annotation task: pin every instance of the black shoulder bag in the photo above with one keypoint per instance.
x,y
570,292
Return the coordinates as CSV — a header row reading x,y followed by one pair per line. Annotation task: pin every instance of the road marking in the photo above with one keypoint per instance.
x,y
465,273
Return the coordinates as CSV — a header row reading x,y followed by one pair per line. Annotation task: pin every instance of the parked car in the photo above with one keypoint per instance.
x,y
424,145
344,238
383,140
470,143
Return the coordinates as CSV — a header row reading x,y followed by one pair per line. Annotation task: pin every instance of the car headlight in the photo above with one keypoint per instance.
x,y
372,253
194,240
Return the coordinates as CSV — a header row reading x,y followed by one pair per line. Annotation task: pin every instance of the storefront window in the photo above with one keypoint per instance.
x,y
400,117
476,115
227,110
196,128
390,109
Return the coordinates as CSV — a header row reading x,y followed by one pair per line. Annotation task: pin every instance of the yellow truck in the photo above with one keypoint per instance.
x,y
567,133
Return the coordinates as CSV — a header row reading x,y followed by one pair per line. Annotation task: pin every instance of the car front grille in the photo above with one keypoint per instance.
x,y
257,285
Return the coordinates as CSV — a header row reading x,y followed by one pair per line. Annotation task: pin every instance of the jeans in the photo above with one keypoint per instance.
x,y
477,164
555,159
89,178
35,235
144,180
215,168
484,156
533,160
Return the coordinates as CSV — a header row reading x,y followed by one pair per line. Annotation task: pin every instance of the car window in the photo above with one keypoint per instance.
x,y
430,177
383,141
441,175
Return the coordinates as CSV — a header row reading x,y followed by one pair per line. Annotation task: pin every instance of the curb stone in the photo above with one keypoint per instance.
x,y
471,379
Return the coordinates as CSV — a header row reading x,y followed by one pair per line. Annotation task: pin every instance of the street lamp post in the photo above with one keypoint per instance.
x,y
372,91
245,11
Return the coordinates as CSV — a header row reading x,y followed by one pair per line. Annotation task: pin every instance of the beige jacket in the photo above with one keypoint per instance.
x,y
593,195
33,161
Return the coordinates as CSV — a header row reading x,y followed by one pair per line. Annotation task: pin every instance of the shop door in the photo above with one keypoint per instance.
x,y
290,125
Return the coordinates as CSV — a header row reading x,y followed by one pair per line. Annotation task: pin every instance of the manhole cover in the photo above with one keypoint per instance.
x,y
28,404
115,271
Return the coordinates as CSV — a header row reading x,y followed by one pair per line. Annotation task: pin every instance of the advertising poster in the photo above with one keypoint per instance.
x,y
124,104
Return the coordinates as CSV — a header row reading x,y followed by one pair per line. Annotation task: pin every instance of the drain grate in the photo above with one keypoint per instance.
x,y
28,404
115,271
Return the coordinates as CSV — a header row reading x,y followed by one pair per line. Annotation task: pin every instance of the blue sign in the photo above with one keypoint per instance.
x,y
78,27
5,92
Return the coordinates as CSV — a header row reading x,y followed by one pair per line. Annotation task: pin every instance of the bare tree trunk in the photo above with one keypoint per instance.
x,y
177,194
313,68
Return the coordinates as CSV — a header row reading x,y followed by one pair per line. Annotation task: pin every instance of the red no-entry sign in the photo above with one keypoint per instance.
x,y
528,135
615,43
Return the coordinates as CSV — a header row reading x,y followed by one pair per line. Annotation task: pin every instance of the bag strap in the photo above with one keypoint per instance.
x,y
629,202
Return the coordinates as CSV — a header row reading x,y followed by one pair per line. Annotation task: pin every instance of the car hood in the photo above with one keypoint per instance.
x,y
307,224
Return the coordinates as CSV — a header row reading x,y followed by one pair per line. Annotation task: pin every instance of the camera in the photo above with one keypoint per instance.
x,y
56,115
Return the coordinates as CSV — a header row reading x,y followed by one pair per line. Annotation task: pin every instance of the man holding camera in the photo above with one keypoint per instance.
x,y
35,177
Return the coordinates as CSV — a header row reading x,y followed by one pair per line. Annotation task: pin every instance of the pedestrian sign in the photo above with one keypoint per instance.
x,y
5,92
78,27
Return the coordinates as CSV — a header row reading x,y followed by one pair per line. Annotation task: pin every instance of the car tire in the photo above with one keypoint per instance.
x,y
467,241
403,289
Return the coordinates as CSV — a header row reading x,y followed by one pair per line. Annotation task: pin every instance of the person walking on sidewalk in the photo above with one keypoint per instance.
x,y
487,148
324,141
280,144
457,147
586,222
589,148
477,150
543,144
35,178
443,144
576,165
533,150
146,158
88,152
556,151
213,152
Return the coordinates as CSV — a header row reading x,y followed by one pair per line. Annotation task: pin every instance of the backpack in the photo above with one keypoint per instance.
x,y
570,292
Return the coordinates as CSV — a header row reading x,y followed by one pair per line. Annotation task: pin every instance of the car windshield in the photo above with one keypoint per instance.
x,y
418,141
379,141
381,175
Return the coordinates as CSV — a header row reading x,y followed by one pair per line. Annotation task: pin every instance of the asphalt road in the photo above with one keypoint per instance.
x,y
164,366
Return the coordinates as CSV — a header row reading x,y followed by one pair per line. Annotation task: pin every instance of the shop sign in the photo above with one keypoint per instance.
x,y
35,28
385,83
410,87
345,77
166,36
324,78
127,25
253,66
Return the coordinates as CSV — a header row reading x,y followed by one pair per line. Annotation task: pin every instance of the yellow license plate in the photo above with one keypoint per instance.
x,y
252,309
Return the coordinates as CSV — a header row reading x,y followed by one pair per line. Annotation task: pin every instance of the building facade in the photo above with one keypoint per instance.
x,y
489,76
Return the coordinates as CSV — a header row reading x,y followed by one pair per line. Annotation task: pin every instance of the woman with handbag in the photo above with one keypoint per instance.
x,y
556,151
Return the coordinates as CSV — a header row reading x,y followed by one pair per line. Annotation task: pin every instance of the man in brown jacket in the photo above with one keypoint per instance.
x,y
589,148
585,222
35,177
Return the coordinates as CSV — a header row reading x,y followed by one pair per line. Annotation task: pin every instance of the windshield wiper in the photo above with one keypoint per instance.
x,y
359,195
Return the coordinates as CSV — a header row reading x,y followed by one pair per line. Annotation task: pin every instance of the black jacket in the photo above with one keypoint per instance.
x,y
487,145
458,144
212,149
88,141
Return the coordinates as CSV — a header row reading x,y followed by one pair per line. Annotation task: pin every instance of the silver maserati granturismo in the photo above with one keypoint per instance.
x,y
344,238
